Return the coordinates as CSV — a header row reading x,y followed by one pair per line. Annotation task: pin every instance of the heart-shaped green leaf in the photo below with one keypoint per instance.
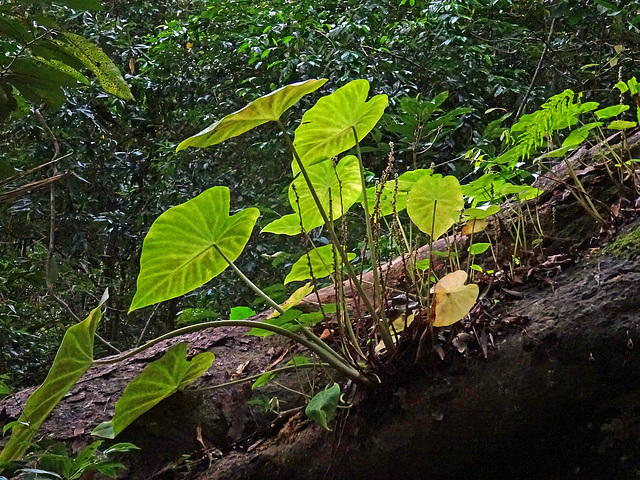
x,y
73,359
445,194
393,194
326,128
322,262
179,252
159,380
323,405
339,188
268,108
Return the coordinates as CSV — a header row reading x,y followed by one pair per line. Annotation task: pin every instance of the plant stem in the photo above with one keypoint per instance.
x,y
382,324
334,238
307,333
254,377
341,365
249,283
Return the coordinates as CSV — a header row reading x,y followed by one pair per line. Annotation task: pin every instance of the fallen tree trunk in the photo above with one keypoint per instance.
x,y
517,385
556,397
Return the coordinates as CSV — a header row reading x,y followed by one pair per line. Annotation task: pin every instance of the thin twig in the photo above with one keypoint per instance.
x,y
52,230
535,74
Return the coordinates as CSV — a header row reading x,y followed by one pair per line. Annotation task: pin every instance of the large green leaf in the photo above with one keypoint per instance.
x,y
159,380
179,252
393,195
97,61
326,128
265,109
73,359
321,264
446,191
339,188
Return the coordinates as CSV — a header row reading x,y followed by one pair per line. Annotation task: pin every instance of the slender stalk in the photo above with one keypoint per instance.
x,y
250,284
341,366
254,377
334,238
307,333
382,324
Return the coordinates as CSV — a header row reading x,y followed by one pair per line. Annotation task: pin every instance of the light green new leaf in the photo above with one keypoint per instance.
x,y
97,61
611,111
159,380
295,298
391,199
326,128
480,213
268,108
179,253
478,248
579,135
321,264
285,225
240,313
323,405
73,359
445,194
339,188
622,125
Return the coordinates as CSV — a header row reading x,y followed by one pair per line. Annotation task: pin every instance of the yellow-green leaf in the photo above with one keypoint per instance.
x,y
453,299
73,359
268,108
434,191
321,264
295,298
327,128
180,252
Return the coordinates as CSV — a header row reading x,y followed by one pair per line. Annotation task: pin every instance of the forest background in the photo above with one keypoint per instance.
x,y
189,63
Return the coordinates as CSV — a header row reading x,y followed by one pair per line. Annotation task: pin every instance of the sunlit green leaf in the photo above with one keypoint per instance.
x,y
73,359
295,298
265,109
339,188
179,254
579,135
326,128
612,111
442,192
478,248
393,194
159,380
240,313
622,125
322,263
323,405
480,213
